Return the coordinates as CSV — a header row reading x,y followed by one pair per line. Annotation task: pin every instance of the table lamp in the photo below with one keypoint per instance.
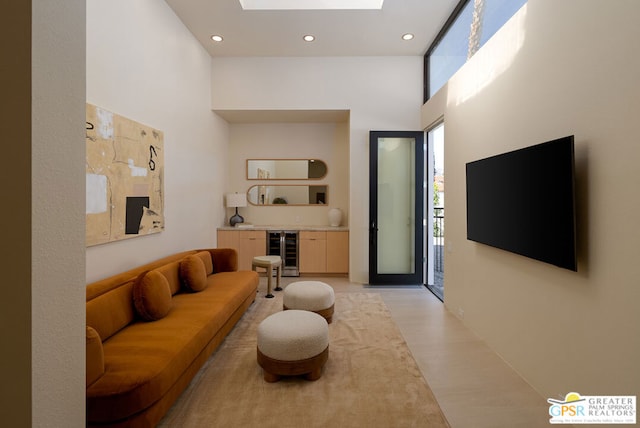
x,y
235,200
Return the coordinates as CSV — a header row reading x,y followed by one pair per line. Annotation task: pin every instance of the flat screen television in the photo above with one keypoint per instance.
x,y
524,202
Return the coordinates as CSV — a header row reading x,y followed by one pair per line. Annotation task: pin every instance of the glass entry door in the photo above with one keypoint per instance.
x,y
434,218
396,165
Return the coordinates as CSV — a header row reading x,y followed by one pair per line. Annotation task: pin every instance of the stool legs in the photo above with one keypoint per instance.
x,y
278,274
269,295
270,377
314,374
269,273
269,268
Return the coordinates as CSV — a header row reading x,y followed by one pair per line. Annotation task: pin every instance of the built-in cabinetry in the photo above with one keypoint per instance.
x,y
319,251
248,243
338,252
324,252
313,247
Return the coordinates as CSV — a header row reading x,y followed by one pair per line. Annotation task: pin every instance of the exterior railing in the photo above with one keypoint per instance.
x,y
438,238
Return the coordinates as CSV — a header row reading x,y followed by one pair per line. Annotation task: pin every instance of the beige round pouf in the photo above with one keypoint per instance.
x,y
293,343
314,296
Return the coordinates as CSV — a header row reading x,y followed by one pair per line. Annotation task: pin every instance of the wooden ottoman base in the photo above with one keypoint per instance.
x,y
326,313
310,367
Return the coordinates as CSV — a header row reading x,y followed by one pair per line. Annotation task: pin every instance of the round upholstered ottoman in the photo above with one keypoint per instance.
x,y
292,343
314,296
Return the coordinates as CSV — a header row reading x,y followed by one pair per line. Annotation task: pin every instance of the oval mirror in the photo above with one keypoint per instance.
x,y
286,169
281,194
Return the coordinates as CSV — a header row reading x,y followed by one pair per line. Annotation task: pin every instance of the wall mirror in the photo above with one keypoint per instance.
x,y
281,194
286,169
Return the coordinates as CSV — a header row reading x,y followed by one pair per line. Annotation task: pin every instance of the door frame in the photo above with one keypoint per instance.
x,y
417,277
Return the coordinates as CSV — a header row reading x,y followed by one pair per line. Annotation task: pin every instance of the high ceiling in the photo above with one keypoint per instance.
x,y
337,32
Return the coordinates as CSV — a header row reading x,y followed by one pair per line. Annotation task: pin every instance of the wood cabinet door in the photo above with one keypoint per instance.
x,y
251,243
338,252
313,252
228,239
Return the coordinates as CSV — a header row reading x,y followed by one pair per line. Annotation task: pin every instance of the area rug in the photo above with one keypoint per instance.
x,y
370,380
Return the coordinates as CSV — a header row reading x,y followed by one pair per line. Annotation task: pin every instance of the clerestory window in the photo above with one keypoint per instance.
x,y
471,24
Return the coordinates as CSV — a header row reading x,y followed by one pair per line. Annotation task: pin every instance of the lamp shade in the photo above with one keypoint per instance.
x,y
236,200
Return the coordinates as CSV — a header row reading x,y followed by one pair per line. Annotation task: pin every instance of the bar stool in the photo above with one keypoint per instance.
x,y
269,263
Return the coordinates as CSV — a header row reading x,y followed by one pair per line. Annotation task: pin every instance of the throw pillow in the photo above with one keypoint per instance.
x,y
193,273
152,296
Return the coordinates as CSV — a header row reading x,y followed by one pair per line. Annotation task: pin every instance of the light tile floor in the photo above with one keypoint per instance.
x,y
473,385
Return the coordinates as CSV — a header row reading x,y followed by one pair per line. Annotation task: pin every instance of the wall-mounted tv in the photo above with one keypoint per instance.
x,y
524,202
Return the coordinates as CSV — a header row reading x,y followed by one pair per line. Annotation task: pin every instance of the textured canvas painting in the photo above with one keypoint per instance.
x,y
124,174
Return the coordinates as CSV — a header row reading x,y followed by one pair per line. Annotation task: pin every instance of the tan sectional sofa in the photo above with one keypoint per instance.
x,y
150,329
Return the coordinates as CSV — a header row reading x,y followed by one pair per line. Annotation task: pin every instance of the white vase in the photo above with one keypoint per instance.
x,y
335,217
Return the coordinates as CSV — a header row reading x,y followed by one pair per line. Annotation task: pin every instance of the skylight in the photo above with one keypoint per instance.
x,y
310,4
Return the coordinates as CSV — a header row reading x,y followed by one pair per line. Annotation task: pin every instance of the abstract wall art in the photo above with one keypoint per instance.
x,y
124,173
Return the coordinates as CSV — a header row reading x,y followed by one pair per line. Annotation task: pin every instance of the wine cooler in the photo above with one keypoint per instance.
x,y
284,243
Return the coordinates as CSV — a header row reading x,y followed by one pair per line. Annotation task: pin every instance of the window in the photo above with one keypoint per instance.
x,y
471,24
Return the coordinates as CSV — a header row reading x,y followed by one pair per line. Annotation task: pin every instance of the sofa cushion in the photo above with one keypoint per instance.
x,y
224,259
207,260
94,356
112,311
171,271
152,295
193,273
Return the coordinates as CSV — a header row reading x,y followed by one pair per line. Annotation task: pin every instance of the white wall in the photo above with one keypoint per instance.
x,y
380,93
57,240
557,68
325,141
142,63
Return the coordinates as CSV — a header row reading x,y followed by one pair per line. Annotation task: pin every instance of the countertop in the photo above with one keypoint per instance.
x,y
289,227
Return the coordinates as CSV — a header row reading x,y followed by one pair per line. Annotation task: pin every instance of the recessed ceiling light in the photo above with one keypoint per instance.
x,y
310,4
216,38
308,38
407,36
